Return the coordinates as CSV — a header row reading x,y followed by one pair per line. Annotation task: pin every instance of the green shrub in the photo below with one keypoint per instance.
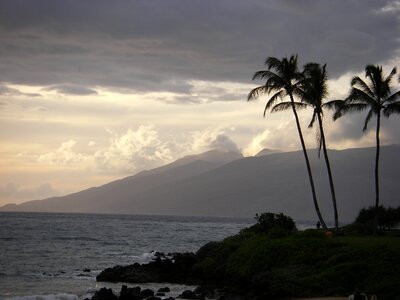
x,y
276,225
388,218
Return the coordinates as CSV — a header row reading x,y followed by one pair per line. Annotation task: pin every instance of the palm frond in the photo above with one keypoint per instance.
x,y
392,98
288,105
257,92
390,76
274,83
374,73
314,116
392,108
355,107
298,91
339,107
349,108
334,104
274,63
368,118
315,84
277,96
362,85
263,74
359,96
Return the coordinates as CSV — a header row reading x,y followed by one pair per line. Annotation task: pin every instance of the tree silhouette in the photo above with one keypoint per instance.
x,y
314,90
282,78
376,96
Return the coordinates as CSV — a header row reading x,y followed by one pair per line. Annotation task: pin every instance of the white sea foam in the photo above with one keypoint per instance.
x,y
144,258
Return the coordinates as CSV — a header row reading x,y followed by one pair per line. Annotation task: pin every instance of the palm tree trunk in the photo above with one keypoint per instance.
x,y
303,145
328,168
378,125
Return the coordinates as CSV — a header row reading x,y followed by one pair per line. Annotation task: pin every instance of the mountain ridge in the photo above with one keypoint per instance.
x,y
240,187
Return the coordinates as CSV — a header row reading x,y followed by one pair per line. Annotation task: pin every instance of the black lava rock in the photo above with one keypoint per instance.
x,y
104,294
190,295
164,290
130,293
146,293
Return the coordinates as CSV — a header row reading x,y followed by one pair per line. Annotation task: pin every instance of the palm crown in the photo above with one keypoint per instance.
x,y
376,95
284,81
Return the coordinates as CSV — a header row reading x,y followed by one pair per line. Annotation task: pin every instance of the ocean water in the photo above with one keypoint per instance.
x,y
44,256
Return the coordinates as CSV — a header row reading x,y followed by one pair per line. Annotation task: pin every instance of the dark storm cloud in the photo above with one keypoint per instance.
x,y
159,45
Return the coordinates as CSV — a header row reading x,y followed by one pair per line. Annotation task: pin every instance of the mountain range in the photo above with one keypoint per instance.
x,y
227,184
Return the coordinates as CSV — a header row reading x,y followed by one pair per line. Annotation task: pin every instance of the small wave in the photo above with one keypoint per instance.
x,y
144,258
147,257
46,297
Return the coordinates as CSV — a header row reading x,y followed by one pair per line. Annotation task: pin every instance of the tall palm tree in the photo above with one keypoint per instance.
x,y
284,79
376,96
314,90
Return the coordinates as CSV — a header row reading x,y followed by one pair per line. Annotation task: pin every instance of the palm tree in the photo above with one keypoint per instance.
x,y
378,98
314,90
284,79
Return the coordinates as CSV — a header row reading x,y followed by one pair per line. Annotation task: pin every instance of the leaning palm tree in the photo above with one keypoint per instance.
x,y
284,79
314,90
378,98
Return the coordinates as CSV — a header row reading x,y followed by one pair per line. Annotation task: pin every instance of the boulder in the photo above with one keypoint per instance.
x,y
163,290
146,293
104,294
188,294
130,293
178,269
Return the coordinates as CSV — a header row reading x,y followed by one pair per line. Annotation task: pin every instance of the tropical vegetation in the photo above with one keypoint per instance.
x,y
283,79
305,263
308,88
376,97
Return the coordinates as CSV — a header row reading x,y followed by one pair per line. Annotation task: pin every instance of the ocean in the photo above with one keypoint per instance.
x,y
50,256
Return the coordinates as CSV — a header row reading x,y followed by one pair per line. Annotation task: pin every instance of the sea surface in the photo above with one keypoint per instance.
x,y
44,255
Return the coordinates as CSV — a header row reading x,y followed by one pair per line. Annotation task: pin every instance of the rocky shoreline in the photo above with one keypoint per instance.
x,y
276,262
171,268
137,293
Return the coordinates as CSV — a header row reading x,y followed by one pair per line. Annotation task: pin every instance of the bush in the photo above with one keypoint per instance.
x,y
388,218
275,225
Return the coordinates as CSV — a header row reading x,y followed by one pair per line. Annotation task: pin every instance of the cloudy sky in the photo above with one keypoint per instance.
x,y
95,90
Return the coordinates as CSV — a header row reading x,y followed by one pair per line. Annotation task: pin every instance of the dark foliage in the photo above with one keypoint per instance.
x,y
388,218
275,225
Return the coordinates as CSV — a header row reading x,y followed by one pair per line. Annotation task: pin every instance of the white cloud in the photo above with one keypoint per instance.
x,y
280,137
135,150
391,7
64,155
212,139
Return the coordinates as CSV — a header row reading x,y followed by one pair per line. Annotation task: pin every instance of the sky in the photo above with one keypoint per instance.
x,y
95,90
